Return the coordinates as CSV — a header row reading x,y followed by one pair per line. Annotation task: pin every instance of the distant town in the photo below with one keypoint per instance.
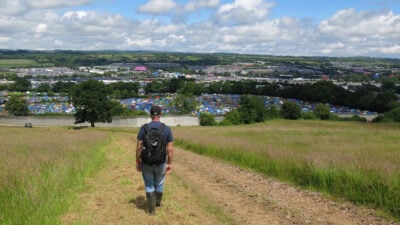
x,y
348,73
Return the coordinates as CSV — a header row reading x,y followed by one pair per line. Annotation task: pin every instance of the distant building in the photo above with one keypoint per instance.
x,y
140,69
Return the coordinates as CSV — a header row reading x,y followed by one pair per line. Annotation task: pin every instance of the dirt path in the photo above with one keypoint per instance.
x,y
254,199
203,191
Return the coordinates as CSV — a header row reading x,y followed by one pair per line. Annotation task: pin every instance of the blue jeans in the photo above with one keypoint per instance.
x,y
154,176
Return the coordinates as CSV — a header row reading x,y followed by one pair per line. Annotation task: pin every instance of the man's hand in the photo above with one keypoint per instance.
x,y
168,169
138,166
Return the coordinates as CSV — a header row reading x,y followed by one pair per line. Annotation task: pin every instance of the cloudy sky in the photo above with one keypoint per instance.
x,y
277,27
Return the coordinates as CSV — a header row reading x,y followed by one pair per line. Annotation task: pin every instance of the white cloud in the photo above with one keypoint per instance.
x,y
158,7
41,28
365,32
231,39
75,15
240,26
58,43
391,50
244,11
332,47
55,3
19,7
348,22
138,42
168,29
194,5
4,39
12,7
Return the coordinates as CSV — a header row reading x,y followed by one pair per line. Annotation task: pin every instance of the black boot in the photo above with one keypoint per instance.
x,y
151,202
158,198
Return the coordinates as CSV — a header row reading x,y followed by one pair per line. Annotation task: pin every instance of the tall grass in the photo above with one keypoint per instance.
x,y
42,169
359,162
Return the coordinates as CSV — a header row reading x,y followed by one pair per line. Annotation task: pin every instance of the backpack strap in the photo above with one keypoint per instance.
x,y
146,128
161,128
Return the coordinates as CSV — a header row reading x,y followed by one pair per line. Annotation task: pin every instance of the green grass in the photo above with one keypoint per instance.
x,y
42,169
14,63
358,162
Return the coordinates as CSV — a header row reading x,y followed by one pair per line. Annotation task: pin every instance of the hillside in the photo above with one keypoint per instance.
x,y
201,189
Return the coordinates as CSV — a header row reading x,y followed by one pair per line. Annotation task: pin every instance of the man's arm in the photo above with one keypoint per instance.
x,y
170,153
138,154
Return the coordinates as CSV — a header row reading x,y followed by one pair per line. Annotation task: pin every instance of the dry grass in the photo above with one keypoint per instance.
x,y
356,161
25,151
349,145
40,170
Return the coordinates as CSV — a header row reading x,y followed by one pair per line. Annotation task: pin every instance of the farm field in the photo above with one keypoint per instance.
x,y
57,175
16,63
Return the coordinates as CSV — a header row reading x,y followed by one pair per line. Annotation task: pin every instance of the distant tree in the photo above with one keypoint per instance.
x,y
21,85
174,84
117,109
322,111
384,102
3,87
155,87
17,106
388,85
291,110
183,104
191,88
91,103
361,99
43,88
122,90
63,87
393,114
252,109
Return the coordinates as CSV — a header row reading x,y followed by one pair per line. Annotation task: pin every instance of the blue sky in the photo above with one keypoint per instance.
x,y
276,27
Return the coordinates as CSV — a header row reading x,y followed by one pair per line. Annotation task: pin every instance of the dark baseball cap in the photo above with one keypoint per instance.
x,y
155,110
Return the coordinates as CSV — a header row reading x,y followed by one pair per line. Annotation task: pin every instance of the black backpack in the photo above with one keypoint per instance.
x,y
154,145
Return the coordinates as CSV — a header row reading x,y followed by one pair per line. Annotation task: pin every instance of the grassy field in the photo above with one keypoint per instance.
x,y
15,63
41,170
357,161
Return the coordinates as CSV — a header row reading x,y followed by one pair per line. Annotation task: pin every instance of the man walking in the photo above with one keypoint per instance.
x,y
154,152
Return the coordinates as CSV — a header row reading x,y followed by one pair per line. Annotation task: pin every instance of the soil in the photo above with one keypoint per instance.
x,y
202,190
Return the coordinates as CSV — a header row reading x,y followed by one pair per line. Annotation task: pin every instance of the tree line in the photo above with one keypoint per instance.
x,y
366,97
99,96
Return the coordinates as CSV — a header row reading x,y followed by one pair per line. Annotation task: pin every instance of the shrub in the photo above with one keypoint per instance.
x,y
233,117
272,112
393,114
225,122
308,116
207,119
334,117
322,111
252,109
358,118
379,119
291,110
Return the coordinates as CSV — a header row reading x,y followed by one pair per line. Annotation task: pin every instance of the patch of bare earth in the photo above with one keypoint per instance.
x,y
250,198
201,190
